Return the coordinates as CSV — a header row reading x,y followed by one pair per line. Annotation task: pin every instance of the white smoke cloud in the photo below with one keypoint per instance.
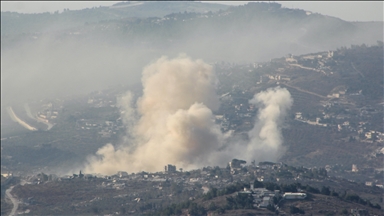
x,y
266,139
128,115
175,123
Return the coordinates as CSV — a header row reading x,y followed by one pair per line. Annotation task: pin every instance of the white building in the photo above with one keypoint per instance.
x,y
354,168
290,195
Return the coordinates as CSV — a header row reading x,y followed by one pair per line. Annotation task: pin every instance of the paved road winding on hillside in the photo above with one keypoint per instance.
x,y
305,91
15,202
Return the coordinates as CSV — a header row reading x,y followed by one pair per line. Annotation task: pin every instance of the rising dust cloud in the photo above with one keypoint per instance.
x,y
173,123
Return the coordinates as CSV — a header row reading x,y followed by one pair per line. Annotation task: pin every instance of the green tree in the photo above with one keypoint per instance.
x,y
295,210
325,191
195,209
271,208
212,206
258,184
122,210
312,189
220,210
95,210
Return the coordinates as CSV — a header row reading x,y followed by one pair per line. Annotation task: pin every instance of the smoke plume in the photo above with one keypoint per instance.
x,y
173,123
266,139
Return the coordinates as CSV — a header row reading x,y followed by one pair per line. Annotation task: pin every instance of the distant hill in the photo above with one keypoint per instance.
x,y
255,31
18,23
254,26
127,36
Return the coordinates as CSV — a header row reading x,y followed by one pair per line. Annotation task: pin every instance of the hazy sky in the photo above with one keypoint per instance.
x,y
350,11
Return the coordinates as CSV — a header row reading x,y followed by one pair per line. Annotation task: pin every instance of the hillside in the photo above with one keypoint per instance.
x,y
324,201
337,103
13,23
261,30
197,192
255,32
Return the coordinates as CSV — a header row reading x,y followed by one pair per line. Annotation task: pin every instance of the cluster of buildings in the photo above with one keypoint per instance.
x,y
105,129
299,117
237,114
346,122
195,182
49,112
206,177
263,198
170,168
314,62
101,102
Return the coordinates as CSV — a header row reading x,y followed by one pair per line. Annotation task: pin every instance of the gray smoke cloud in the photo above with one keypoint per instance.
x,y
173,123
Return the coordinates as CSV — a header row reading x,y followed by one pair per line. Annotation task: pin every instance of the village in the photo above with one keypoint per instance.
x,y
137,190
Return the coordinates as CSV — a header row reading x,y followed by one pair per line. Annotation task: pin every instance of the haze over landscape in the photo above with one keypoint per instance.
x,y
357,10
231,93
